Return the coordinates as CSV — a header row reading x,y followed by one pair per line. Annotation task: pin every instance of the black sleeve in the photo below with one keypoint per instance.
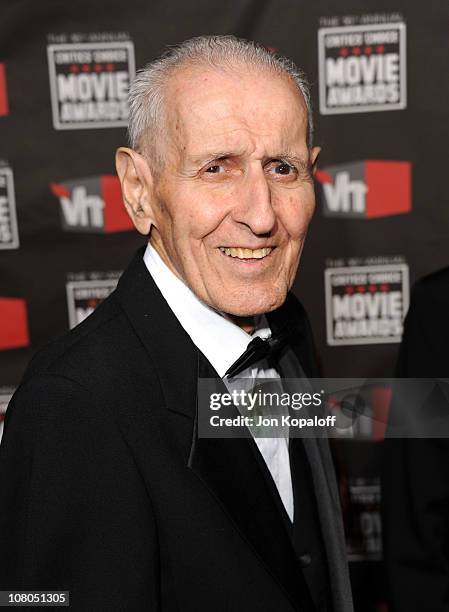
x,y
74,512
415,483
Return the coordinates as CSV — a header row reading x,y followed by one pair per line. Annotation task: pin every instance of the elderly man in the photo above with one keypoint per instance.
x,y
107,489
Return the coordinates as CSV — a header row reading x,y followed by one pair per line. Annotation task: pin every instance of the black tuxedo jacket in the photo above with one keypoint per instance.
x,y
416,471
106,490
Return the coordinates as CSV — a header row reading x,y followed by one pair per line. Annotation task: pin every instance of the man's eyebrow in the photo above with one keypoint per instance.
x,y
287,155
211,155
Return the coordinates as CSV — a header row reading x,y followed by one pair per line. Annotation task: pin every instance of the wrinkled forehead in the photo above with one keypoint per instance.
x,y
244,107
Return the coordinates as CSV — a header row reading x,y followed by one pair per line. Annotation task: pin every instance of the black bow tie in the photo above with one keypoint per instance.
x,y
257,350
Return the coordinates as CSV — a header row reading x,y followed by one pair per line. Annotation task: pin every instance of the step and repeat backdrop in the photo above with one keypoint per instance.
x,y
379,82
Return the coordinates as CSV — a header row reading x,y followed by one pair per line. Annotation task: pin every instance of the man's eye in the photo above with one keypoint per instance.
x,y
215,169
283,168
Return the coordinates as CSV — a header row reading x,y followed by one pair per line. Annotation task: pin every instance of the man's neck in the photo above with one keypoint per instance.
x,y
248,324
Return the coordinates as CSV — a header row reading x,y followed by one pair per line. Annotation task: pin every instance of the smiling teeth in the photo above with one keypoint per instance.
x,y
246,253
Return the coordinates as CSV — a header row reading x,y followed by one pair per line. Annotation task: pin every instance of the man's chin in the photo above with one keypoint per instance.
x,y
250,306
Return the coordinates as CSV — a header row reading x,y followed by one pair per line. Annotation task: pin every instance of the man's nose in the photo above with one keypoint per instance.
x,y
254,203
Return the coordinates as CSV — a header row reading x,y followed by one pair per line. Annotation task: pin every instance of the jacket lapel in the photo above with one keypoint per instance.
x,y
318,456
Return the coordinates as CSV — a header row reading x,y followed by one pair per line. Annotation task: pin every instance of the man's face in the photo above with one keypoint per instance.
x,y
235,196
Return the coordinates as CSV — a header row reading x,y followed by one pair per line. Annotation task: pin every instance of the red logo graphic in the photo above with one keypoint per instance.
x,y
92,204
13,323
4,108
366,189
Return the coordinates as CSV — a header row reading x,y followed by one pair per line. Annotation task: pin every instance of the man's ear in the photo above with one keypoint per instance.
x,y
314,154
137,187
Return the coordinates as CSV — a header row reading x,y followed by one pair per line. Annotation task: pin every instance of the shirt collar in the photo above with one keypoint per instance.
x,y
220,340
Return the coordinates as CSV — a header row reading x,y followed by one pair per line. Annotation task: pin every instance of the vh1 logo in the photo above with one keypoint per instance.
x,y
93,204
366,189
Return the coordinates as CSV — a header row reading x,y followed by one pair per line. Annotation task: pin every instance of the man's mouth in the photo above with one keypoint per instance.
x,y
242,253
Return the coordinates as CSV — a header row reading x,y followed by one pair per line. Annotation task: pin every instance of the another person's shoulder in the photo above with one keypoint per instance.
x,y
433,286
426,330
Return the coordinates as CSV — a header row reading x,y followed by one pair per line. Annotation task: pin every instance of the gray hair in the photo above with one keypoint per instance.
x,y
146,94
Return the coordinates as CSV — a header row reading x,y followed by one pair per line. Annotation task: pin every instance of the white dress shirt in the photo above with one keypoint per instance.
x,y
222,342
